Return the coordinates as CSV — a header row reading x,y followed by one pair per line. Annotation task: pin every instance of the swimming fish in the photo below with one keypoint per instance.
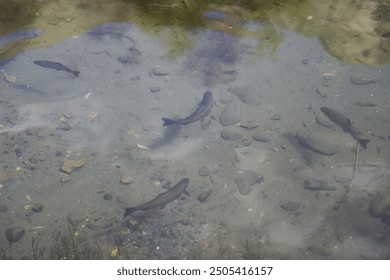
x,y
162,199
202,110
56,66
346,125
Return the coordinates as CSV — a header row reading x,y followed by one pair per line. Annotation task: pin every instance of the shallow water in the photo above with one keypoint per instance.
x,y
274,71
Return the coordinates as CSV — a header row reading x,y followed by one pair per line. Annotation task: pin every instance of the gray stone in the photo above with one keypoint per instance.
x,y
247,95
246,180
359,80
204,171
290,205
261,136
160,72
202,197
322,143
107,196
231,134
321,250
230,115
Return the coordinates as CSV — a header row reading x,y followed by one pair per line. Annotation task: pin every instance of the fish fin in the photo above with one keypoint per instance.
x,y
129,210
76,73
363,142
169,121
349,122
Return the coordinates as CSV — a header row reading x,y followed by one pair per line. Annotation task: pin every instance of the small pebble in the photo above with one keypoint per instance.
x,y
37,207
154,89
276,117
126,179
305,61
70,165
64,126
107,196
204,195
204,171
10,78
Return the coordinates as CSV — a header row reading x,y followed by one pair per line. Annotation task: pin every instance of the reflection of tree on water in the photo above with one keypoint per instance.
x,y
353,31
214,57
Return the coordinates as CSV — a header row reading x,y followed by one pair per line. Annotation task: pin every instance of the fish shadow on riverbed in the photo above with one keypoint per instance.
x,y
306,155
170,133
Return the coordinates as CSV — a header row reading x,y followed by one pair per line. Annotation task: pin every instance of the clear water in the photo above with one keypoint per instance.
x,y
276,64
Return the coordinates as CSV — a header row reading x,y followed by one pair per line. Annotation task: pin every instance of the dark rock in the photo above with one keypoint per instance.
x,y
317,185
204,171
38,207
154,89
3,208
107,196
230,115
246,180
33,160
18,152
14,234
290,205
64,126
305,61
204,195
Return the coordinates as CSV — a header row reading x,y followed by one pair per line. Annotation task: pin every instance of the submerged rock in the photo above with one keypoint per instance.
x,y
321,143
247,95
380,207
70,165
231,134
246,180
230,115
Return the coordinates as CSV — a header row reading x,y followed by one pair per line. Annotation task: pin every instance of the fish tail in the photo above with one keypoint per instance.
x,y
76,73
129,210
363,142
168,121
